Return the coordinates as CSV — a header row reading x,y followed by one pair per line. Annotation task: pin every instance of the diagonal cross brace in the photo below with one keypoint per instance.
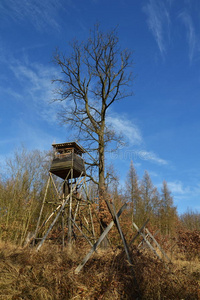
x,y
150,246
103,235
58,214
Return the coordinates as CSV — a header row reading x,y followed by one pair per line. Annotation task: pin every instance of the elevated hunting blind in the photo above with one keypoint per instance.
x,y
68,156
68,165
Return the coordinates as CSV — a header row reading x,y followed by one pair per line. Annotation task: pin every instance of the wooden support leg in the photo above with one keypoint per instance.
x,y
138,233
121,234
41,211
57,216
147,242
103,235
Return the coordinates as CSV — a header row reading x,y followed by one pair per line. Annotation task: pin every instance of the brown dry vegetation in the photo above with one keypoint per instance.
x,y
49,274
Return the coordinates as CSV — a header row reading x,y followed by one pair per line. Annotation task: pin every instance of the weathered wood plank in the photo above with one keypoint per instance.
x,y
157,244
82,232
116,220
103,235
138,233
58,214
61,165
150,246
147,237
41,211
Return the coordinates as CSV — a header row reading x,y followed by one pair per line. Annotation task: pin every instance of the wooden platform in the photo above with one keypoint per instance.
x,y
63,163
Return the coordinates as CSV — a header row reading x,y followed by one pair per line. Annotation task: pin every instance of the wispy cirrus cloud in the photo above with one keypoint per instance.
x,y
190,33
151,157
34,88
177,187
158,20
26,92
127,128
41,14
185,195
132,134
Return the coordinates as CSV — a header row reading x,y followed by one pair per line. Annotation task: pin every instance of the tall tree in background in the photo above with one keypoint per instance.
x,y
149,199
94,76
133,191
168,214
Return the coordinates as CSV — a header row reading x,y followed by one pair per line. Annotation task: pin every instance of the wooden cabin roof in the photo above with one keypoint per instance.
x,y
69,145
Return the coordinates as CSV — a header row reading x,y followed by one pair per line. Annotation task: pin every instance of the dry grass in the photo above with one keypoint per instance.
x,y
191,267
49,274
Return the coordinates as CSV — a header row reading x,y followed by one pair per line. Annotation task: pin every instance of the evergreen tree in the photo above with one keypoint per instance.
x,y
168,214
149,199
132,190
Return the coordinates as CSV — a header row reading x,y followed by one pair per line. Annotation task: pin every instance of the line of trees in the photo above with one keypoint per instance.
x,y
21,193
23,188
147,202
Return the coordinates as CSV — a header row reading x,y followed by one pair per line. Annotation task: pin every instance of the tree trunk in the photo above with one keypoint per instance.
x,y
102,192
101,165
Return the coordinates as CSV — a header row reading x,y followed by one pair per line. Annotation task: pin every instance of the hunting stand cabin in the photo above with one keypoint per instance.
x,y
68,158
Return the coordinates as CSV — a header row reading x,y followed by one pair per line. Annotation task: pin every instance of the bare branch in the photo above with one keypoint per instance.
x,y
93,77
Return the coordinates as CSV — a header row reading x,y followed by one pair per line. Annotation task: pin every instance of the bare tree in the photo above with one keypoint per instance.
x,y
133,190
150,199
93,77
168,213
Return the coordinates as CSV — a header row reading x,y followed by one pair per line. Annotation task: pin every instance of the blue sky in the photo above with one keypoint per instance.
x,y
161,120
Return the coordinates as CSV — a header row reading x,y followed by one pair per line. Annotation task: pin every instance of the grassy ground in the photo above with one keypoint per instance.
x,y
49,274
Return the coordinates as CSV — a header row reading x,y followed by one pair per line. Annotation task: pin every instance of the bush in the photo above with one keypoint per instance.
x,y
189,243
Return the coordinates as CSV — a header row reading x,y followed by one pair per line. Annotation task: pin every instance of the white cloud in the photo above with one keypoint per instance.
x,y
184,195
41,14
151,156
127,128
190,32
158,20
176,187
153,174
36,90
133,136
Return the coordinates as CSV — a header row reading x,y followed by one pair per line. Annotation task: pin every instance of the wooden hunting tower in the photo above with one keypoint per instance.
x,y
68,157
67,164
